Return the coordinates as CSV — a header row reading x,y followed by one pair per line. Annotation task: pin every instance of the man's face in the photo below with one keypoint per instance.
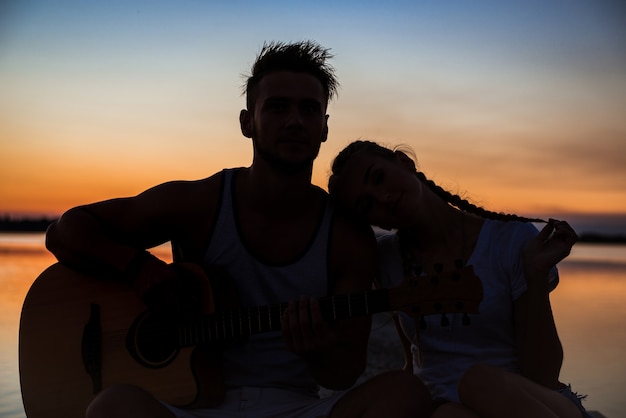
x,y
289,121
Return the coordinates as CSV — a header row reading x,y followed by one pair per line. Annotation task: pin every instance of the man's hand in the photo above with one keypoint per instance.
x,y
305,330
181,290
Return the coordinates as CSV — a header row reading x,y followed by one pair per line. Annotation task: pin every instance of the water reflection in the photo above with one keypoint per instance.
x,y
588,306
22,258
590,313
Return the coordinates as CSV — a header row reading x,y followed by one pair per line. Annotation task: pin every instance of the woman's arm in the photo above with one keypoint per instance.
x,y
539,348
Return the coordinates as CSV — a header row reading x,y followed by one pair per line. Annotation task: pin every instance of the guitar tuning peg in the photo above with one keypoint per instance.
x,y
466,319
422,323
444,320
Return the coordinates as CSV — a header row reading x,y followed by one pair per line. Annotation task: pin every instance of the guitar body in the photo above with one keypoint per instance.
x,y
54,354
80,335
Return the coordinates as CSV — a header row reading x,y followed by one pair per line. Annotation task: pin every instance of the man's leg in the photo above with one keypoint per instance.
x,y
453,410
126,401
391,394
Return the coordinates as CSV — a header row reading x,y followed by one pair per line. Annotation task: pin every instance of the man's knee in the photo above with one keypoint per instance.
x,y
405,383
451,409
395,393
116,400
405,391
476,380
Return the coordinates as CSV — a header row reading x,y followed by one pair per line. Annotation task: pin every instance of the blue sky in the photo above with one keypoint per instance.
x,y
520,105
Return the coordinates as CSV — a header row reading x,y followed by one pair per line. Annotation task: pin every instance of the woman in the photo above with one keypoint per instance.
x,y
504,361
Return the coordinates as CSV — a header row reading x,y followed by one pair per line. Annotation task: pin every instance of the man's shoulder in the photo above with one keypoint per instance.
x,y
197,185
183,196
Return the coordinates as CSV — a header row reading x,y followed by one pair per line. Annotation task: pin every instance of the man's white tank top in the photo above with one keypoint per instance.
x,y
262,359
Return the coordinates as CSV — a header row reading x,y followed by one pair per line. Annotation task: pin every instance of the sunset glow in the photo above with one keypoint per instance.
x,y
518,106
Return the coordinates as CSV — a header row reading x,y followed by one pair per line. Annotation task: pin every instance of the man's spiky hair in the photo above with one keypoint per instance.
x,y
305,56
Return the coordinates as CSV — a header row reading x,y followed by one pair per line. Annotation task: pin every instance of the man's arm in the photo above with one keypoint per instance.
x,y
111,237
109,234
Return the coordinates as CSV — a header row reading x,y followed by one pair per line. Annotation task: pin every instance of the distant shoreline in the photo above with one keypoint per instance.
x,y
11,224
595,238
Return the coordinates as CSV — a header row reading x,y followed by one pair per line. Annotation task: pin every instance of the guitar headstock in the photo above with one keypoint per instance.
x,y
456,291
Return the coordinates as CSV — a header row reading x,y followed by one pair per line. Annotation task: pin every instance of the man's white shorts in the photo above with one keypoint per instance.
x,y
252,402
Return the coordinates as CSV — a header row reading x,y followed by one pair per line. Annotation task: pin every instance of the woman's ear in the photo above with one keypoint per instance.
x,y
406,161
246,123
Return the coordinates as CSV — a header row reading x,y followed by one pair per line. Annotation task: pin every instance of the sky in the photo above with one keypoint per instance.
x,y
518,106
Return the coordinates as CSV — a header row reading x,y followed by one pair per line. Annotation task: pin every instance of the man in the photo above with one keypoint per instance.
x,y
276,237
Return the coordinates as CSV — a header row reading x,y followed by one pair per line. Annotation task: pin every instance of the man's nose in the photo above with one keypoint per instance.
x,y
294,118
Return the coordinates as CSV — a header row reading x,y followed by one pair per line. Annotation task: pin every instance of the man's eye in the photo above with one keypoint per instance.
x,y
276,106
377,177
311,108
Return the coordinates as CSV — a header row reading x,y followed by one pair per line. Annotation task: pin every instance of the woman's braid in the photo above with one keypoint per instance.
x,y
455,200
458,202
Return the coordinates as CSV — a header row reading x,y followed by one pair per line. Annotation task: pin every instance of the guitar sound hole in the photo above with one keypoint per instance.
x,y
152,342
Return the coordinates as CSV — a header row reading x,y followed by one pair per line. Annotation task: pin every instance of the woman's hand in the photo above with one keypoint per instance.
x,y
553,243
540,354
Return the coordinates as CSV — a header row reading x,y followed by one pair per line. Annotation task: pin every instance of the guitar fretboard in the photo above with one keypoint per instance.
x,y
236,324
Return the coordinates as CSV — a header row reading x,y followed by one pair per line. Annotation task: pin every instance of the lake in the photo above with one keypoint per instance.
x,y
589,307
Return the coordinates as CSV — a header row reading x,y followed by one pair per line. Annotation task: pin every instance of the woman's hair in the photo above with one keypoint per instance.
x,y
455,200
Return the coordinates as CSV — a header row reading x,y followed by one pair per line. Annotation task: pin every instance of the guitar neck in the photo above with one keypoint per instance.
x,y
458,291
236,324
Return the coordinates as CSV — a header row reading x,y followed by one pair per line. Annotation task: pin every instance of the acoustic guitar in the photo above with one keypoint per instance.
x,y
80,334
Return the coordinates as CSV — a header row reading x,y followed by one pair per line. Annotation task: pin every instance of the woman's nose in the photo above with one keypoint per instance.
x,y
385,197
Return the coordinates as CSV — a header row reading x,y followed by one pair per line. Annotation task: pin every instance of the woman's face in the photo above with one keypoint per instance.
x,y
384,192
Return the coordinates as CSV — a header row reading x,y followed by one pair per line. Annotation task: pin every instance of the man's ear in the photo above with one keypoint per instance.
x,y
325,131
246,123
406,161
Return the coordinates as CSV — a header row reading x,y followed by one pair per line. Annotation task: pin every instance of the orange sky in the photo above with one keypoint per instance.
x,y
519,107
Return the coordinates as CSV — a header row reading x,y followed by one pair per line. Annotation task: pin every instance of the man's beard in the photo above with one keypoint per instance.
x,y
287,167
